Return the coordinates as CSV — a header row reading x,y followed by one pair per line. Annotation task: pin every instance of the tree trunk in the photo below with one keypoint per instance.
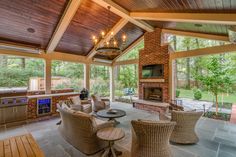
x,y
188,73
216,96
3,61
23,63
188,69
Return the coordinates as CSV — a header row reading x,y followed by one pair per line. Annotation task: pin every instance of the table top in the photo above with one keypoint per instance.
x,y
110,134
106,114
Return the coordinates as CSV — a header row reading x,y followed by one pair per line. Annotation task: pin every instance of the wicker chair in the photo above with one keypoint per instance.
x,y
79,129
99,103
184,131
151,139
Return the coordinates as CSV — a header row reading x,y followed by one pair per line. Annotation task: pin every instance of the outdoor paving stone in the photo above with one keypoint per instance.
x,y
215,137
181,152
198,150
229,149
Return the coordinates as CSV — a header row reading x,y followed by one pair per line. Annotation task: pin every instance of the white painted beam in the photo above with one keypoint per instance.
x,y
64,22
126,62
197,35
115,8
212,18
119,25
204,51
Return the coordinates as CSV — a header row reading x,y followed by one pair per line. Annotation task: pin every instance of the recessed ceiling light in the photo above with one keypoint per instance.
x,y
30,30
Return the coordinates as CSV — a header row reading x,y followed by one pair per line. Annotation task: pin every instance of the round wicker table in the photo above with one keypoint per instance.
x,y
117,113
111,135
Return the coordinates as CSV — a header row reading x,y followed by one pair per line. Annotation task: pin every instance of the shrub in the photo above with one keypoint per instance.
x,y
177,93
197,94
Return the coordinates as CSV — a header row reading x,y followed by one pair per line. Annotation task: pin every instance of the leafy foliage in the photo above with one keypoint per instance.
x,y
197,94
217,78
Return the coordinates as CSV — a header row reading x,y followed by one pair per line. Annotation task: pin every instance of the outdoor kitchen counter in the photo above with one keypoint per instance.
x,y
52,95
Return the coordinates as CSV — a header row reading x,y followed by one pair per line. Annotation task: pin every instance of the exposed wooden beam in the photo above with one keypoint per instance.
x,y
126,62
195,34
119,25
138,41
64,22
213,18
115,8
204,51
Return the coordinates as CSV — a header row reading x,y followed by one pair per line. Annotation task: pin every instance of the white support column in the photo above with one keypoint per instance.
x,y
171,79
47,76
87,76
112,83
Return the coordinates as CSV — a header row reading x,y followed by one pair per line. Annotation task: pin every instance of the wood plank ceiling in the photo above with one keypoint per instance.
x,y
89,20
184,6
29,21
33,21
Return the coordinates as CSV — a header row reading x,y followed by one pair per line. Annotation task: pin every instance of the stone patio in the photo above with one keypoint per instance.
x,y
217,138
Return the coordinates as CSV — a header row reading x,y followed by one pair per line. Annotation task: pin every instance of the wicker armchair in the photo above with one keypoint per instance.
x,y
79,129
184,131
99,103
151,139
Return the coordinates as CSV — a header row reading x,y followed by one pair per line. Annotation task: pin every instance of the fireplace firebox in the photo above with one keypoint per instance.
x,y
153,94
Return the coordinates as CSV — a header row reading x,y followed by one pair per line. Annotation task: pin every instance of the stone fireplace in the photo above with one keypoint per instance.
x,y
153,94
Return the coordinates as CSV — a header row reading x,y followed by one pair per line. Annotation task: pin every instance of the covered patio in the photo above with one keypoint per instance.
x,y
59,53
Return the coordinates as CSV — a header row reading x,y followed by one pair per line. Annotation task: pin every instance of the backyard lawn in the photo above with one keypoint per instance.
x,y
230,98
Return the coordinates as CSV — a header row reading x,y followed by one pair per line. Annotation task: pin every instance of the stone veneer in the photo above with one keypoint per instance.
x,y
154,53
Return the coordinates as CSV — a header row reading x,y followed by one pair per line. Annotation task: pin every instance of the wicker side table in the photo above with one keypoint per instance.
x,y
111,135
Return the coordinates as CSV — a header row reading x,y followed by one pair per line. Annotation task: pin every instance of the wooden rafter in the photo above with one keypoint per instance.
x,y
115,8
119,25
204,51
196,34
139,40
64,22
212,18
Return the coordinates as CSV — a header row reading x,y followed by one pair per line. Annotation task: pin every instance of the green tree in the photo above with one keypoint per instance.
x,y
218,78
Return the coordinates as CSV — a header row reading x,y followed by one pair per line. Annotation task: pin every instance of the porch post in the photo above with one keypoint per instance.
x,y
172,79
87,76
47,76
112,83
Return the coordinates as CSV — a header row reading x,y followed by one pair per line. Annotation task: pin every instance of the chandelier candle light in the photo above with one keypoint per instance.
x,y
110,45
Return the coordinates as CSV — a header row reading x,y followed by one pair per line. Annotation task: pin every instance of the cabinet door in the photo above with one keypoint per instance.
x,y
1,116
21,113
9,114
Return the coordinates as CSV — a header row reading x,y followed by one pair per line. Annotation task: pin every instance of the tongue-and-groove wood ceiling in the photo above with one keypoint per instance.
x,y
33,22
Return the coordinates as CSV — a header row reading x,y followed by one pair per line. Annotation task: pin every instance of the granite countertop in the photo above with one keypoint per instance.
x,y
50,95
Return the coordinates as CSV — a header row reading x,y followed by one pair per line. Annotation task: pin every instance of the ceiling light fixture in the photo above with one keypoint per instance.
x,y
111,44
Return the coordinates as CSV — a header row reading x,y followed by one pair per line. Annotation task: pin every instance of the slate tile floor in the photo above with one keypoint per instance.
x,y
217,138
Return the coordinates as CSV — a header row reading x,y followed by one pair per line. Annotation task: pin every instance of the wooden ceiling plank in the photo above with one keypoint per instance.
x,y
64,22
119,25
115,8
213,18
138,41
196,34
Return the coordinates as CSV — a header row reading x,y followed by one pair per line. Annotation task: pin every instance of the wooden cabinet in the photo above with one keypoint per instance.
x,y
21,113
2,121
9,114
14,114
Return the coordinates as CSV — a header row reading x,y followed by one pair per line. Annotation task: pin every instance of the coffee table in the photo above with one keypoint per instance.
x,y
106,114
111,135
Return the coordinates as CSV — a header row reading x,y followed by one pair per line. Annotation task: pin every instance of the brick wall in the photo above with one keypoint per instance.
x,y
154,53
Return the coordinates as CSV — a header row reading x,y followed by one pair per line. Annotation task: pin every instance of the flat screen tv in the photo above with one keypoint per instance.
x,y
153,71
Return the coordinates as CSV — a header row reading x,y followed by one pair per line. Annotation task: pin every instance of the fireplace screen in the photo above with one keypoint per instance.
x,y
154,94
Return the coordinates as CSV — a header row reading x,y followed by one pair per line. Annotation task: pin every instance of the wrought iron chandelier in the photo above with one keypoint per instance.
x,y
110,45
